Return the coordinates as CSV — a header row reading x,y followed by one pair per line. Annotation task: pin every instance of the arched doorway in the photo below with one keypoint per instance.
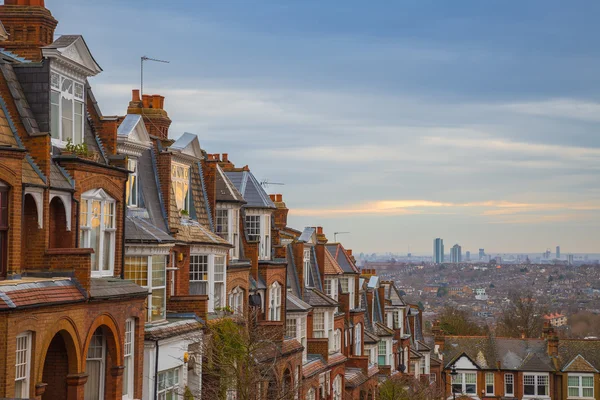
x,y
102,355
32,237
60,237
56,369
287,388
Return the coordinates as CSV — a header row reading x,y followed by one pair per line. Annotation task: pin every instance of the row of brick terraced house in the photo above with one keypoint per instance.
x,y
118,245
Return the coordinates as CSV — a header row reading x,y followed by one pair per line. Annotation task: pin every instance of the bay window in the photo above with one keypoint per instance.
x,y
97,224
319,324
331,288
180,181
128,359
382,350
23,365
227,226
581,386
465,382
150,272
535,384
509,385
208,276
132,183
337,340
3,228
168,384
95,366
275,302
67,108
295,327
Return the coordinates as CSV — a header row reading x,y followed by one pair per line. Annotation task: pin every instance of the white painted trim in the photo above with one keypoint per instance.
x,y
67,203
38,196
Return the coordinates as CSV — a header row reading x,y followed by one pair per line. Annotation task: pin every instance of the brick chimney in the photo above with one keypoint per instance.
x,y
321,238
281,214
151,107
438,337
30,26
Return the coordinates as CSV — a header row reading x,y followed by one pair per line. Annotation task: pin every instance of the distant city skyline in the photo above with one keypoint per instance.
x,y
396,121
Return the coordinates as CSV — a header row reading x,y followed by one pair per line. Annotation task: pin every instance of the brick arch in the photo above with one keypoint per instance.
x,y
238,282
102,182
8,176
112,333
67,328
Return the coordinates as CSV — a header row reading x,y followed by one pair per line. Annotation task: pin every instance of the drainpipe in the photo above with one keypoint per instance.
x,y
123,240
77,204
156,372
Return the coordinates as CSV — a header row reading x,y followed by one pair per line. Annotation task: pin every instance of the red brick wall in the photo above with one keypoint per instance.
x,y
59,236
32,243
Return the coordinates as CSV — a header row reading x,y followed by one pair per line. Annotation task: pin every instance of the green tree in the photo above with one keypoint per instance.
x,y
442,291
407,388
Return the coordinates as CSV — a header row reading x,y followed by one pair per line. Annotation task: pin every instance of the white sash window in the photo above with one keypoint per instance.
x,y
95,366
22,365
97,224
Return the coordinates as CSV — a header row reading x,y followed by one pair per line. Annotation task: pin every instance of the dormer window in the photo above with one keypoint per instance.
x,y
180,179
67,108
132,183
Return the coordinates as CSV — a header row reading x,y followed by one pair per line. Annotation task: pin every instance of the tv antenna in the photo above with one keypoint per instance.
x,y
142,59
335,235
266,183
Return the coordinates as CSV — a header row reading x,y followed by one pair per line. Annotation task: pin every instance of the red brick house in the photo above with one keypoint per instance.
x,y
72,326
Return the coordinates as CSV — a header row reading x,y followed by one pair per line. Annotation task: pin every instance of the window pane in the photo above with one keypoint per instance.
x,y
136,270
78,123
95,234
106,256
159,274
67,119
55,114
587,381
158,304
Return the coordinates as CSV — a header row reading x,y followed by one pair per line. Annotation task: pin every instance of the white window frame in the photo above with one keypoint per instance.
x,y
537,377
337,388
319,324
219,278
133,192
129,360
385,354
351,292
310,395
306,263
148,261
101,360
87,201
463,382
489,381
23,364
300,330
262,229
337,340
331,287
183,181
507,378
222,226
358,339
165,387
580,388
56,88
275,302
208,276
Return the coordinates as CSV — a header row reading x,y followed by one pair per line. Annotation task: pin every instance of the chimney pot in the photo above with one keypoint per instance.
x,y
272,196
279,198
319,230
349,251
135,95
225,157
146,100
156,101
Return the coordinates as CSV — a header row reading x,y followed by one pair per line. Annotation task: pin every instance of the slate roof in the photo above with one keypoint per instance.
x,y
314,280
306,234
127,126
170,328
25,114
487,351
67,40
370,337
339,254
226,190
59,178
569,349
31,172
7,136
138,229
295,304
28,292
104,288
293,282
257,285
250,189
317,299
314,365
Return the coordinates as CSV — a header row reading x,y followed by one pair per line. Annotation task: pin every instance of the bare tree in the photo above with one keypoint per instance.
x,y
457,322
408,388
241,360
522,317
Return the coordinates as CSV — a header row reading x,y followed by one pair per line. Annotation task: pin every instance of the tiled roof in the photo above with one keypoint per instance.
x,y
250,189
294,304
382,330
355,377
290,346
487,351
314,366
198,196
318,299
226,190
16,91
569,349
370,337
193,232
59,178
331,266
339,254
33,291
335,359
171,328
7,136
115,288
31,173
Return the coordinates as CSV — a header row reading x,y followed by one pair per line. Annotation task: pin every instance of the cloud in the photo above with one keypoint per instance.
x,y
559,108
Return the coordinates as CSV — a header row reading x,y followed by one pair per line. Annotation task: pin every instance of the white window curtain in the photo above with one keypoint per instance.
x,y
358,340
199,274
337,388
94,367
219,279
180,181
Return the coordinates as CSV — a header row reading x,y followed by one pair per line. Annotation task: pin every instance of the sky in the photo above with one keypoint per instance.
x,y
396,121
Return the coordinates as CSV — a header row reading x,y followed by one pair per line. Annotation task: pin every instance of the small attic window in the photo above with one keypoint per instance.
x,y
67,109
